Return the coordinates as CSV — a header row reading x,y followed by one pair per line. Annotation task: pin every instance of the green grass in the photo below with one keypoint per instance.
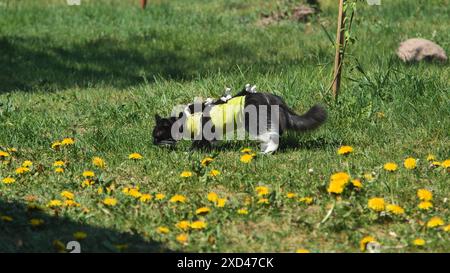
x,y
99,72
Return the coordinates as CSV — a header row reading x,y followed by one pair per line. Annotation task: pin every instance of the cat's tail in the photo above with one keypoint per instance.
x,y
310,120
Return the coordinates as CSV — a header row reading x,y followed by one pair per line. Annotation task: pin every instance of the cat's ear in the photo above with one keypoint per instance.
x,y
157,118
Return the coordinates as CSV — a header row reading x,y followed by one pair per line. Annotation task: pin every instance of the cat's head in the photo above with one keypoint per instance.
x,y
162,132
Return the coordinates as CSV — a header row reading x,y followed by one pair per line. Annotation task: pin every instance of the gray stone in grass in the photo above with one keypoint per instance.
x,y
417,49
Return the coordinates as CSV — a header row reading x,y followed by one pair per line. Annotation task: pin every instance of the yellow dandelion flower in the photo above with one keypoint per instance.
x,y
178,198
59,163
22,170
435,222
135,156
163,230
56,145
110,201
376,204
126,190
390,167
262,190
214,173
410,163
198,225
263,201
8,180
338,181
364,241
345,150
212,196
88,174
71,203
307,200
35,222
336,186
183,225
369,177
67,194
145,198
446,164
27,164
436,163
340,176
4,154
87,183
302,250
59,170
186,174
221,202
6,218
419,242
80,235
202,210
134,192
182,238
424,195
242,211
431,157
160,196
246,158
446,228
206,161
425,205
291,195
98,162
68,141
54,203
395,209
357,183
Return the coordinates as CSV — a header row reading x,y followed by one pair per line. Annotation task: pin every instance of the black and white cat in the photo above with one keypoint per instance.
x,y
263,116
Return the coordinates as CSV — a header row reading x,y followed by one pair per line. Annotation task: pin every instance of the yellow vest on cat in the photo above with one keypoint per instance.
x,y
224,116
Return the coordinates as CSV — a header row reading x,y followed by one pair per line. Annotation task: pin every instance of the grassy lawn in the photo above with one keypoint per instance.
x,y
99,72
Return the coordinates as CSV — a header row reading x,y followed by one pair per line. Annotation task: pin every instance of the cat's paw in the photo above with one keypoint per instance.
x,y
250,88
227,95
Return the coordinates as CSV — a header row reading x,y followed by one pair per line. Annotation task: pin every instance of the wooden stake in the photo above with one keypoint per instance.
x,y
340,39
143,4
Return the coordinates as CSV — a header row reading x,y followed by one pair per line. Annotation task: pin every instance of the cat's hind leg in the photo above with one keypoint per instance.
x,y
269,142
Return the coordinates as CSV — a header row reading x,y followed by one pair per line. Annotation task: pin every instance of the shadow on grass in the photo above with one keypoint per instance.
x,y
19,235
292,142
288,143
38,63
31,63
